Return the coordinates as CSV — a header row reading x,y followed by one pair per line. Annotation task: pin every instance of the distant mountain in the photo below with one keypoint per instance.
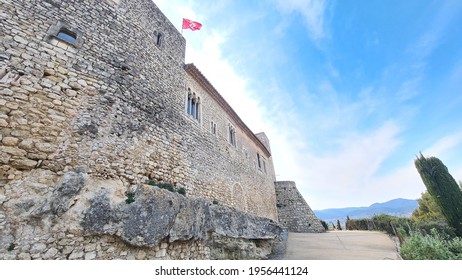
x,y
397,207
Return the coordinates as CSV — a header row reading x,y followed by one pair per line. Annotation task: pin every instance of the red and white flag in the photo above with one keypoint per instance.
x,y
193,25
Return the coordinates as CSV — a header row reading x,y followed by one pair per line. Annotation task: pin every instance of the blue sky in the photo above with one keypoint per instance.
x,y
349,92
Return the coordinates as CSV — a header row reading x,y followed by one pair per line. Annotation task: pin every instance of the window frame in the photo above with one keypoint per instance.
x,y
213,128
232,135
193,105
65,28
261,163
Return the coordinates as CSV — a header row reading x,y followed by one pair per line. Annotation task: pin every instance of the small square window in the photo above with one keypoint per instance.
x,y
64,32
67,36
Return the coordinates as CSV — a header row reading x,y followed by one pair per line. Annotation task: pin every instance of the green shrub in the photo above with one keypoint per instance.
x,y
166,186
11,247
182,191
130,198
381,222
431,247
215,202
441,226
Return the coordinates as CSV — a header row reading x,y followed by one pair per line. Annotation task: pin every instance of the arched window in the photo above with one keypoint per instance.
x,y
193,105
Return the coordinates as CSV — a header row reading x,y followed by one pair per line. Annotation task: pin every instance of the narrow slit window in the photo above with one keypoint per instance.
x,y
198,101
193,109
189,102
232,135
159,40
258,161
213,128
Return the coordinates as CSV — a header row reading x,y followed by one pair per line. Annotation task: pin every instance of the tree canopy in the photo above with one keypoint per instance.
x,y
428,209
443,188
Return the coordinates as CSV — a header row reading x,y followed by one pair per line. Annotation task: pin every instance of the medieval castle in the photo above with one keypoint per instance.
x,y
96,102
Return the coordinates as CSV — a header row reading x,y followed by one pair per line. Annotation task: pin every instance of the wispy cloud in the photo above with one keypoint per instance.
x,y
348,172
409,88
444,145
313,12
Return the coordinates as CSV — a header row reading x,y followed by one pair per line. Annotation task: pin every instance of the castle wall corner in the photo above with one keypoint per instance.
x,y
294,213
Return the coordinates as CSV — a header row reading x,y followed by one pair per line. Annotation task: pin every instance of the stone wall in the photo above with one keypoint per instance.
x,y
293,211
114,102
107,105
232,175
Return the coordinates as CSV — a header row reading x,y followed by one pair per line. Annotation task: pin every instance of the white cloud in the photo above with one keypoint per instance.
x,y
444,146
434,33
352,178
346,174
409,89
312,12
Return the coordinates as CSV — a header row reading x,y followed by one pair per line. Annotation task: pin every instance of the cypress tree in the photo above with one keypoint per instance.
x,y
443,188
339,227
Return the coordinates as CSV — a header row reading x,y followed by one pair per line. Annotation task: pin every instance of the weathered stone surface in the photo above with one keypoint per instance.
x,y
116,103
26,144
228,222
10,141
13,151
293,211
23,164
45,147
157,214
66,190
37,248
50,253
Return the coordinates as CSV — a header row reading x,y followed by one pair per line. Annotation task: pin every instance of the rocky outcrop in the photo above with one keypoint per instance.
x,y
158,214
76,214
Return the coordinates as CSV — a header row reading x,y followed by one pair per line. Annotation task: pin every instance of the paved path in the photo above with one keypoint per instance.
x,y
340,245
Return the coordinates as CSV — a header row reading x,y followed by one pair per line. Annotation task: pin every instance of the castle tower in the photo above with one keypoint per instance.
x,y
293,211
